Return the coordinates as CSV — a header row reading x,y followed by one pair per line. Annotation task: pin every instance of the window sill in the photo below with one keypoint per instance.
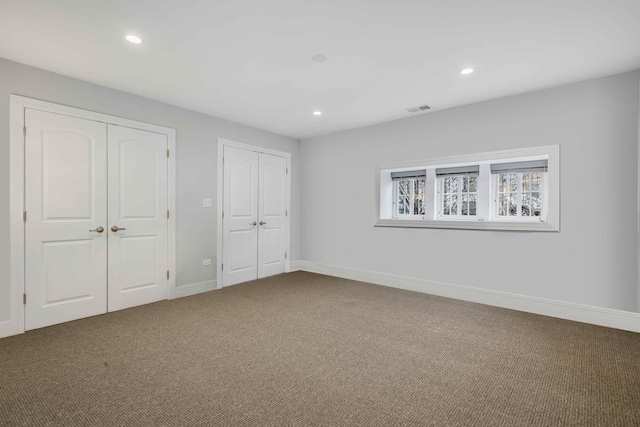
x,y
468,225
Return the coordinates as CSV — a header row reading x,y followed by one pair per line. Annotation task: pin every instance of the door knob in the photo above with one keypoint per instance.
x,y
97,230
115,228
262,223
253,223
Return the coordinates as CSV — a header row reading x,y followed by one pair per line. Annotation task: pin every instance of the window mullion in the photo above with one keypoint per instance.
x,y
439,196
414,201
494,196
395,198
459,195
519,196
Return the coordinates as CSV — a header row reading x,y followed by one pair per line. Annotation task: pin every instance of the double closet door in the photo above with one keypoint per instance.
x,y
254,223
96,218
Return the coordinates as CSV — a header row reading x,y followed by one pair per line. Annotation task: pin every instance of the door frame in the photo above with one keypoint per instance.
x,y
222,142
17,105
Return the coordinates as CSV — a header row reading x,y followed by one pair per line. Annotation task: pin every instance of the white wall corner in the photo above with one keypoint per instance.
x,y
611,318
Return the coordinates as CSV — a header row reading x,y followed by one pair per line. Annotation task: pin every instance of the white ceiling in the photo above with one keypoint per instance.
x,y
249,61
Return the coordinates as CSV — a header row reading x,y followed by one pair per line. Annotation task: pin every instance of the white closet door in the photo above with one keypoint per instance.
x,y
272,204
65,199
240,216
137,225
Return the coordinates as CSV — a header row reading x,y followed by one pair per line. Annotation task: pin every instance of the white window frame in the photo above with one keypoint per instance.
x,y
495,195
397,215
440,192
486,218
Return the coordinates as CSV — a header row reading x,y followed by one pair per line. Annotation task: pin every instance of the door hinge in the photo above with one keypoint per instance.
x,y
286,213
167,214
24,131
221,266
24,298
287,170
24,215
222,214
285,255
167,153
167,274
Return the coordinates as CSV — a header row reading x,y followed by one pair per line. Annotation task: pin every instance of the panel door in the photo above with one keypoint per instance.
x,y
65,200
272,205
240,216
137,219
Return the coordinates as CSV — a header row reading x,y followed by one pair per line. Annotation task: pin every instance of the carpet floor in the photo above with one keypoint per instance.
x,y
303,349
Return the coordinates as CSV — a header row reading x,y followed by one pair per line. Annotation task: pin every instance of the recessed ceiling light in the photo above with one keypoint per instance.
x,y
133,39
466,71
317,113
318,58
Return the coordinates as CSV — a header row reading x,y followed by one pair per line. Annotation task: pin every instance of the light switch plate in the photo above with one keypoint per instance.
x,y
206,203
206,262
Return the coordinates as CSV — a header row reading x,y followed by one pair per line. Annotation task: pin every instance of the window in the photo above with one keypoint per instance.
x,y
457,191
408,190
519,189
505,190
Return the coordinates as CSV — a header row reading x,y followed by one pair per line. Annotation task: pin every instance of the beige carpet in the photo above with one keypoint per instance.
x,y
309,350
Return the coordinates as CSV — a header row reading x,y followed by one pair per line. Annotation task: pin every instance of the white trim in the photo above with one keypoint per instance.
x,y
194,288
16,208
608,317
230,143
17,105
6,328
171,206
473,159
464,224
219,191
551,223
222,142
50,107
296,266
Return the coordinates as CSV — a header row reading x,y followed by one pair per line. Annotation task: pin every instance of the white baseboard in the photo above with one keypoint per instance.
x,y
6,329
194,288
295,266
608,317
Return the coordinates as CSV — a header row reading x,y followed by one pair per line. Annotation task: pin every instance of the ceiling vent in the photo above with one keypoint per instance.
x,y
418,109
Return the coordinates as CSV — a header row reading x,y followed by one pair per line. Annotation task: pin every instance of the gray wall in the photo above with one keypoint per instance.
x,y
196,158
592,260
638,226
